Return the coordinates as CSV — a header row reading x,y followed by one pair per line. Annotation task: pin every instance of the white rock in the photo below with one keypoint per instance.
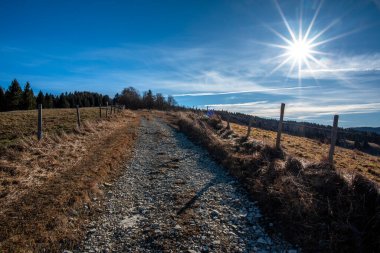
x,y
215,213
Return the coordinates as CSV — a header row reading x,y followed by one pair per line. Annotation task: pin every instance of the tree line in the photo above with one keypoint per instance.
x,y
16,98
132,99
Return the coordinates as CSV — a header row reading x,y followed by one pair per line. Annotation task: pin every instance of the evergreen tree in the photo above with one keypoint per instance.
x,y
63,103
2,100
13,96
40,98
48,101
28,99
116,98
106,99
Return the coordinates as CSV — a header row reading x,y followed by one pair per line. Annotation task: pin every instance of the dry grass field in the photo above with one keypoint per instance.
x,y
18,124
50,188
308,150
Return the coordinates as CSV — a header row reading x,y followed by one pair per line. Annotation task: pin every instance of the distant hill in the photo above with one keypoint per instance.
x,y
367,129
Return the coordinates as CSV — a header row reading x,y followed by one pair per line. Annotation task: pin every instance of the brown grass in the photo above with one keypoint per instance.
x,y
311,203
49,189
307,150
16,125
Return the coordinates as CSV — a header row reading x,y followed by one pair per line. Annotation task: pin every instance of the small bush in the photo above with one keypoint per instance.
x,y
215,122
293,165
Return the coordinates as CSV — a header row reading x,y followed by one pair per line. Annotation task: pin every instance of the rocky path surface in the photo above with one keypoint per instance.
x,y
173,198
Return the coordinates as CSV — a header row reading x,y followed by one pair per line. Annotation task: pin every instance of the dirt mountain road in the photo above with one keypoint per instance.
x,y
173,198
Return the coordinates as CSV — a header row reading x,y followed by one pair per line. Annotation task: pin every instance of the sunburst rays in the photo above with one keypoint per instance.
x,y
300,46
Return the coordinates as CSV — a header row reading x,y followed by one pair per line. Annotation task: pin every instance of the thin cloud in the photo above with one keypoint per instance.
x,y
341,67
268,90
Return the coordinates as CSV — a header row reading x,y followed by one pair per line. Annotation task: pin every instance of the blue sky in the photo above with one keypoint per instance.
x,y
217,53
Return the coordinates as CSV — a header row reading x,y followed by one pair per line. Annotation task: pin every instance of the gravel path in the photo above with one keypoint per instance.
x,y
173,198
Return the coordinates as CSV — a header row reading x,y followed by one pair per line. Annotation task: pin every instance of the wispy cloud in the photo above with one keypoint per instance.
x,y
344,67
265,91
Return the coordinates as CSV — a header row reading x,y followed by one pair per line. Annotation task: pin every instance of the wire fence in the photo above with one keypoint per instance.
x,y
275,128
109,110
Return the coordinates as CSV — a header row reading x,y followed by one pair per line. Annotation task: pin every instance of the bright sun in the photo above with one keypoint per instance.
x,y
299,50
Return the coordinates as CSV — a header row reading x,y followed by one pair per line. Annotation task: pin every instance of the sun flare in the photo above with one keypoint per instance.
x,y
299,50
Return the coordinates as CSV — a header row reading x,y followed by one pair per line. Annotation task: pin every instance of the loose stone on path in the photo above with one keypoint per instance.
x,y
173,198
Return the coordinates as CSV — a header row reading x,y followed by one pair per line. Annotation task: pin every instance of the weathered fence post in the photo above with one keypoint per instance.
x,y
278,140
78,116
106,109
100,111
228,122
39,130
333,139
249,127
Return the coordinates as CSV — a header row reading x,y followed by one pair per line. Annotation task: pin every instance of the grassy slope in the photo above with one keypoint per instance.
x,y
308,150
17,124
50,188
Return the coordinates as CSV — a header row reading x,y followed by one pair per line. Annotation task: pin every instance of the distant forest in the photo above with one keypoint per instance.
x,y
16,98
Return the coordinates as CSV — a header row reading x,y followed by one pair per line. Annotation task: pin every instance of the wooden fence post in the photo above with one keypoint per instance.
x,y
100,111
249,127
228,122
278,140
78,116
106,109
333,139
39,130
